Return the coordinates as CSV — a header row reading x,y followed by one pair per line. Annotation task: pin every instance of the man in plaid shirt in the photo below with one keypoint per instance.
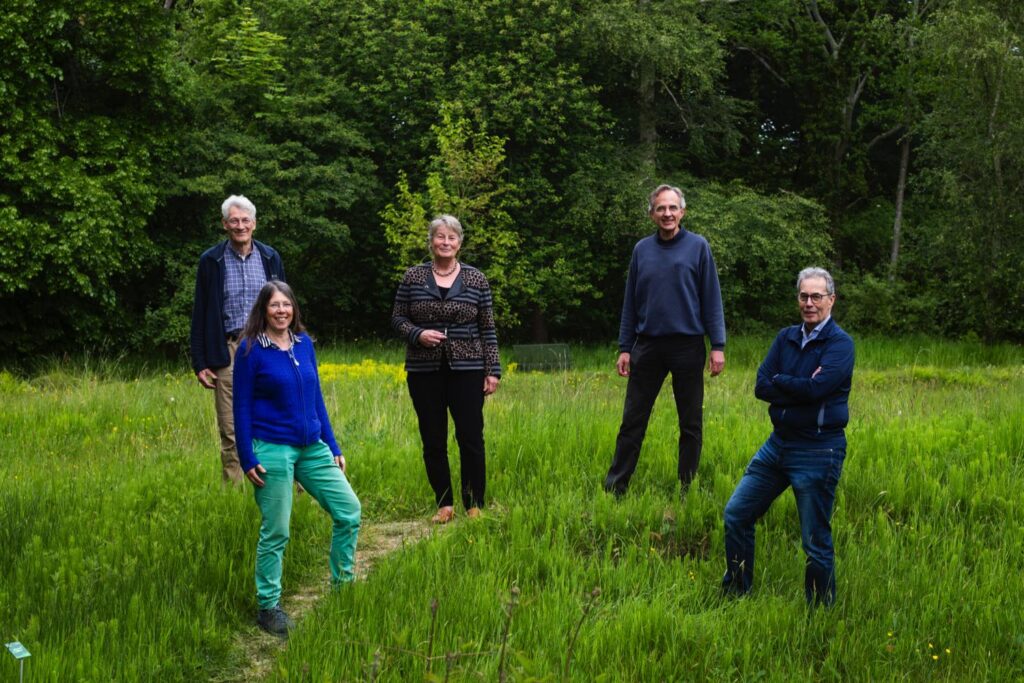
x,y
229,278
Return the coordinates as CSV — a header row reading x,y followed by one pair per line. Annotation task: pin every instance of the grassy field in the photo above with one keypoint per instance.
x,y
123,558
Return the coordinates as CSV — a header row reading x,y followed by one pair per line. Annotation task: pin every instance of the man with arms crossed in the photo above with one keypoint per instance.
x,y
805,378
673,300
230,277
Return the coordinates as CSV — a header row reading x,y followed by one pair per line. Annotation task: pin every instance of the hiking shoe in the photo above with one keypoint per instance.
x,y
275,622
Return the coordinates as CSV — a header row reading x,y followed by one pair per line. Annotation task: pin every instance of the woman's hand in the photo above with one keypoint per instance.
x,y
490,385
431,338
339,460
254,475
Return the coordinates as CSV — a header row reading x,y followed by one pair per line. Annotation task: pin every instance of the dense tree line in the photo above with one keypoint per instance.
x,y
881,138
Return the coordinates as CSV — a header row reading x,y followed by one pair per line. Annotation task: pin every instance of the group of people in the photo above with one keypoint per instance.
x,y
249,347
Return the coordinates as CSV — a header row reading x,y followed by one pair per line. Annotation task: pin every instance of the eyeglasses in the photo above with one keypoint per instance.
x,y
234,222
816,297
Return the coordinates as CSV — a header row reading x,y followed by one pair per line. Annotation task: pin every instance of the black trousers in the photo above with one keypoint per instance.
x,y
460,392
650,361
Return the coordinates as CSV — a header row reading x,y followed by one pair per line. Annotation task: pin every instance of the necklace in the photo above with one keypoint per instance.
x,y
433,267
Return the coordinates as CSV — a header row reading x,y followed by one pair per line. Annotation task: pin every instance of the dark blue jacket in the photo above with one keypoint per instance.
x,y
208,343
277,398
806,411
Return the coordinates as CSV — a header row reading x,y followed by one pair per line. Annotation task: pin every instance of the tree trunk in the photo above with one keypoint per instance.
x,y
901,190
647,120
538,327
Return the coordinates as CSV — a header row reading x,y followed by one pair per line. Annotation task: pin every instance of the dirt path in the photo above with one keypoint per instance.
x,y
375,542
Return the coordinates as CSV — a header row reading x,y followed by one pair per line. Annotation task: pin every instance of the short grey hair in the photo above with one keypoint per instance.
x,y
662,188
241,202
445,220
808,273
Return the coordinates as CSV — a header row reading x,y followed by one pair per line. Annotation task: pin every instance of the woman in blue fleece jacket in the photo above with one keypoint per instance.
x,y
284,435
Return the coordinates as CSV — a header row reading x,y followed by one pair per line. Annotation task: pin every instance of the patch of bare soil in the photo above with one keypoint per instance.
x,y
376,541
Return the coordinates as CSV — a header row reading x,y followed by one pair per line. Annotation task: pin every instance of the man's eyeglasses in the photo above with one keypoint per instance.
x,y
239,221
816,297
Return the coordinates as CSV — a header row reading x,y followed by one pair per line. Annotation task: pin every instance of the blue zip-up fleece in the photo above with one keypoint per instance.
x,y
808,412
278,400
672,288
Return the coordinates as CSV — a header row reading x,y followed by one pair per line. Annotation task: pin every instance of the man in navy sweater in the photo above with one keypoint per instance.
x,y
673,300
805,378
228,280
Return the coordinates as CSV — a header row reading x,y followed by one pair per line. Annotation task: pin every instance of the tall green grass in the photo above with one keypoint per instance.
x,y
123,558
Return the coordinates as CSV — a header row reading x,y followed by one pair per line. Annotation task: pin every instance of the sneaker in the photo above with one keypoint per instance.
x,y
275,622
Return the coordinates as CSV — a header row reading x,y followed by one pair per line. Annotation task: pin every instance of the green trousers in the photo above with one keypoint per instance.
x,y
313,467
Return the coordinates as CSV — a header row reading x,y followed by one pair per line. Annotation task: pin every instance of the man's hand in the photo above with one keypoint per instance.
x,y
717,362
622,365
339,460
207,377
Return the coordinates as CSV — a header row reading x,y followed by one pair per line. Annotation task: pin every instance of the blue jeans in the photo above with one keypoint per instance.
x,y
813,474
312,466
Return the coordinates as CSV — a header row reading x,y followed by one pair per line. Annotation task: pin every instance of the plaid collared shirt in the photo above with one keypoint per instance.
x,y
243,280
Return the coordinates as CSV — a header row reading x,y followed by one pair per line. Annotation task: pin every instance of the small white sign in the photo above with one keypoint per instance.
x,y
18,650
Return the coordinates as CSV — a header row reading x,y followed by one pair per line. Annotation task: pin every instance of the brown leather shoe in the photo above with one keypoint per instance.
x,y
444,515
473,513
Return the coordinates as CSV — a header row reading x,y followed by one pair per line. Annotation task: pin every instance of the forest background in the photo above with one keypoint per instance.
x,y
883,139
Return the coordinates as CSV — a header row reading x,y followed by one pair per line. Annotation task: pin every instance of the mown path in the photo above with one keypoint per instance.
x,y
376,541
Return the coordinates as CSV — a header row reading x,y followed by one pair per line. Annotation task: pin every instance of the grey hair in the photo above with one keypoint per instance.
x,y
808,273
241,202
445,220
662,188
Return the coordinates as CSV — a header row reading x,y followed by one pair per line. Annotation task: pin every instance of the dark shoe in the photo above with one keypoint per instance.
x,y
616,490
275,622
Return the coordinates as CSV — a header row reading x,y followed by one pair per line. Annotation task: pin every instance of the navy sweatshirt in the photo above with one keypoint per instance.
x,y
277,398
672,288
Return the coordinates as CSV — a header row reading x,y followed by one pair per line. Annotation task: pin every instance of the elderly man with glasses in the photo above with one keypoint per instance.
x,y
231,275
805,378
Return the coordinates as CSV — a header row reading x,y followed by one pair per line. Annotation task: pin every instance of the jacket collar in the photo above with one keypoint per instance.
x,y
263,249
432,287
794,333
263,340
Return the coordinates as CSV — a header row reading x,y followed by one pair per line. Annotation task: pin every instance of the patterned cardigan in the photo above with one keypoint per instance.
x,y
465,316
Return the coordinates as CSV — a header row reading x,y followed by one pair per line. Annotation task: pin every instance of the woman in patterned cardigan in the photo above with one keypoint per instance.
x,y
443,310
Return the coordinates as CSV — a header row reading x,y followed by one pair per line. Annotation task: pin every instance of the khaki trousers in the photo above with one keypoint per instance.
x,y
223,391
